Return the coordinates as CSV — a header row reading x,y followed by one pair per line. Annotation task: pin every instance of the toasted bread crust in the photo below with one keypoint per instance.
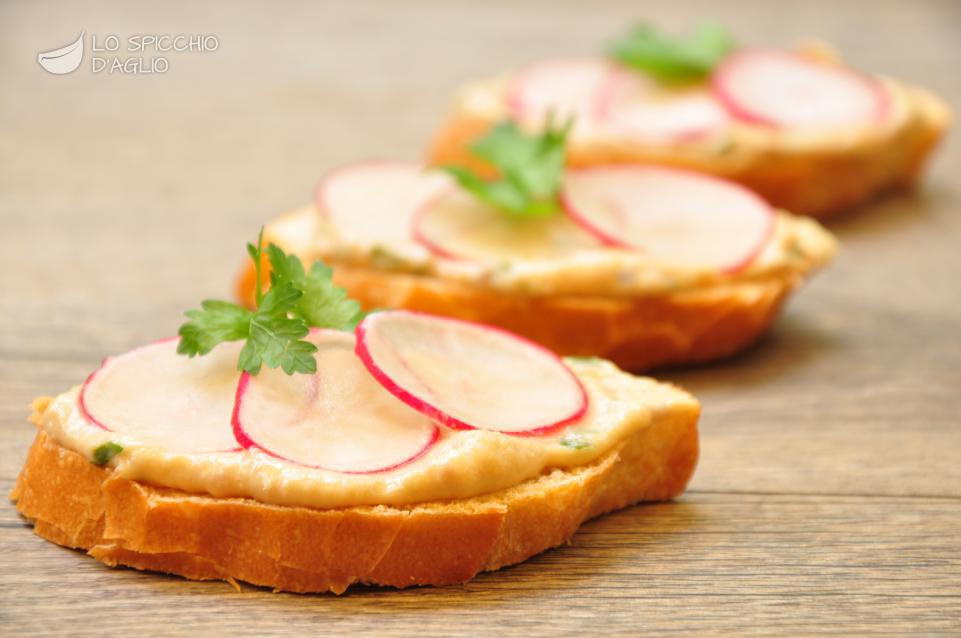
x,y
123,522
817,181
636,333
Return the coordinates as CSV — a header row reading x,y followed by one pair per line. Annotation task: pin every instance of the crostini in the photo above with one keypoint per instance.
x,y
408,450
801,128
643,265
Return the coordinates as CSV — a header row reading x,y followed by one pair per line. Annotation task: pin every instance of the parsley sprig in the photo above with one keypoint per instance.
x,y
296,301
673,59
529,168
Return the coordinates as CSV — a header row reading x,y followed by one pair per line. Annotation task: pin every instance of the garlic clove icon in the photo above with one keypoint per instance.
x,y
64,60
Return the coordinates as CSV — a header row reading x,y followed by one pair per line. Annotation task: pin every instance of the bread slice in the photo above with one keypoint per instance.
x,y
77,504
637,332
817,179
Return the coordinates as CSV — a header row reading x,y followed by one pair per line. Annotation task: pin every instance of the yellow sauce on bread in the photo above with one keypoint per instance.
x,y
797,245
725,150
462,464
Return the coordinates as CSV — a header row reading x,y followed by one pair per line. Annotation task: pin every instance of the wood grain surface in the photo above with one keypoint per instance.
x,y
828,497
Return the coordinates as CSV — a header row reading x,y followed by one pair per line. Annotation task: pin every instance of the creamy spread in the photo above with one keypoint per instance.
x,y
797,245
727,148
461,464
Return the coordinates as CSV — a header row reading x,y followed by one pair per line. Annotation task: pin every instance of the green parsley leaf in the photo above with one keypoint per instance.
x,y
274,332
274,336
281,298
323,304
673,59
217,321
103,453
284,267
291,355
530,169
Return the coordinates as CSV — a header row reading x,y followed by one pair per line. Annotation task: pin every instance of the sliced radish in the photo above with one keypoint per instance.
x,y
373,202
678,217
458,226
338,419
790,91
468,375
635,105
566,87
157,396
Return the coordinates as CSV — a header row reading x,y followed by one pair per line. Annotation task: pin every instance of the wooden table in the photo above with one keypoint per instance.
x,y
829,492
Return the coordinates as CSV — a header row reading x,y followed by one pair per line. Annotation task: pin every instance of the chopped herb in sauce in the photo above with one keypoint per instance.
x,y
103,453
575,442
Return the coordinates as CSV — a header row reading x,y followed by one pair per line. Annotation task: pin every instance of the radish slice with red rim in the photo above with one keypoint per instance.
x,y
565,87
157,396
456,225
678,217
373,202
468,375
790,91
339,418
635,105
